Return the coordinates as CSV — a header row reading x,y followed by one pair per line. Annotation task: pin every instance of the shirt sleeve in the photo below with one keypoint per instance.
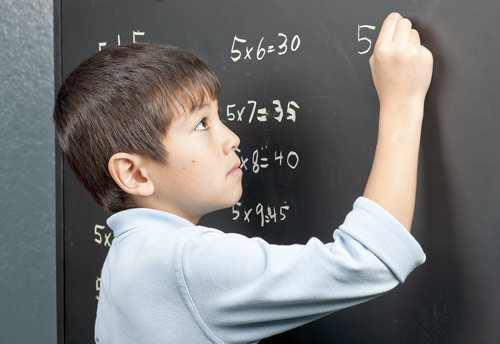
x,y
241,289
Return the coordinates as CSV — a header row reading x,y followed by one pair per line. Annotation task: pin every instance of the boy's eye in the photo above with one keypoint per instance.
x,y
203,125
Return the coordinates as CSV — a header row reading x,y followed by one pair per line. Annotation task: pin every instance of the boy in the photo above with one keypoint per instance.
x,y
139,126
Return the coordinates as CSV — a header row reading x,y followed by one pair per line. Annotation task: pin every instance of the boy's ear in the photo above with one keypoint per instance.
x,y
129,174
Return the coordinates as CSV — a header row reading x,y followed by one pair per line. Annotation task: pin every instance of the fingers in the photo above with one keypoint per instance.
x,y
402,31
388,27
414,37
398,30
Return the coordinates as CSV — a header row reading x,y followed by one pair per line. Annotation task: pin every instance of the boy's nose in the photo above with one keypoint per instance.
x,y
232,141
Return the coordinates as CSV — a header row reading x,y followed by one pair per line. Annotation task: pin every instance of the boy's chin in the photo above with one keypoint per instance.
x,y
230,203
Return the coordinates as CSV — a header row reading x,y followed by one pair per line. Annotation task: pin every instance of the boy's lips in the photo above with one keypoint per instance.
x,y
235,170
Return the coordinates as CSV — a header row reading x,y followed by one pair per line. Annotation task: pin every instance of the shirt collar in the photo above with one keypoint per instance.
x,y
126,220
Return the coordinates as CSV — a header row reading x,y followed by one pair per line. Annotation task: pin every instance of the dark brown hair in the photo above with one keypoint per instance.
x,y
123,99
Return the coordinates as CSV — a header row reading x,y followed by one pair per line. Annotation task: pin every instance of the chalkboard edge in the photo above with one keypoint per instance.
x,y
60,299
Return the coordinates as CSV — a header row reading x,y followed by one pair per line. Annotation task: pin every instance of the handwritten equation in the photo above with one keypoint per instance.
x,y
251,111
241,49
263,158
263,214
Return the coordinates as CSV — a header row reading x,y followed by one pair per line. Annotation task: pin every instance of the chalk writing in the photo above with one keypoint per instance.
x,y
262,113
241,49
262,158
135,33
102,236
97,287
363,38
261,213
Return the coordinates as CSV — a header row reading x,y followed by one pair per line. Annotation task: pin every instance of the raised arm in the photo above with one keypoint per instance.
x,y
402,70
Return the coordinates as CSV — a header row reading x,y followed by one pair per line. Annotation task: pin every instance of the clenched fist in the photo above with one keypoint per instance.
x,y
401,66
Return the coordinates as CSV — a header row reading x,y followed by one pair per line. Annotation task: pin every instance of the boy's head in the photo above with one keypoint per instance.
x,y
123,100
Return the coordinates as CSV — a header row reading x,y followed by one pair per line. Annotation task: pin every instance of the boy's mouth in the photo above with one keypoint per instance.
x,y
235,170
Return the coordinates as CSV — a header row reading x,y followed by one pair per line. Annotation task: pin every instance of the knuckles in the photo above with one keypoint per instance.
x,y
399,53
405,22
426,53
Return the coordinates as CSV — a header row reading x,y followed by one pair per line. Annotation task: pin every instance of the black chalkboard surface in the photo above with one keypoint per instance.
x,y
297,90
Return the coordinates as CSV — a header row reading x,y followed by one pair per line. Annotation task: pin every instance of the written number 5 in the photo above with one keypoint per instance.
x,y
360,38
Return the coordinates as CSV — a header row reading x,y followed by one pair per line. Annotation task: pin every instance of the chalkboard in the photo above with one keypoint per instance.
x,y
297,89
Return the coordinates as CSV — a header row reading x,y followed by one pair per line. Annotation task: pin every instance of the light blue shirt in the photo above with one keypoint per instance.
x,y
166,280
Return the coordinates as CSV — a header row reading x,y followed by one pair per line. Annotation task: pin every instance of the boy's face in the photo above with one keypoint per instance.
x,y
202,173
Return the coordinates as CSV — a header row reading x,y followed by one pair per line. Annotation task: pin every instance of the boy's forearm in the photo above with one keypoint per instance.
x,y
393,178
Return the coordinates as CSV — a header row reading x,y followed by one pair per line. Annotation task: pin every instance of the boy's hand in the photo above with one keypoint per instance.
x,y
401,67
